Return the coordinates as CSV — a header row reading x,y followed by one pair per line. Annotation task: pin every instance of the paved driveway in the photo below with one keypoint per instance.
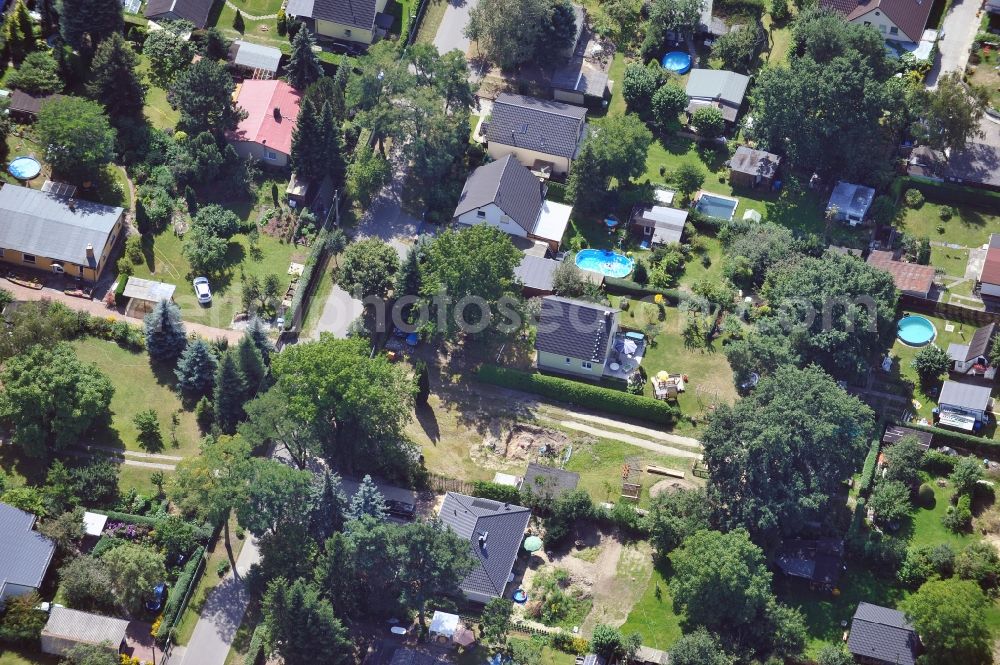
x,y
959,27
451,32
387,220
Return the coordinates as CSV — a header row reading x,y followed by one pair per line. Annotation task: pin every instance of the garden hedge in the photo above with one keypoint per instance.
x,y
581,394
315,255
976,444
484,489
178,594
626,287
256,647
868,471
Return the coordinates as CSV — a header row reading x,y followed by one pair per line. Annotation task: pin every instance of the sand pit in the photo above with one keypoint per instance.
x,y
669,485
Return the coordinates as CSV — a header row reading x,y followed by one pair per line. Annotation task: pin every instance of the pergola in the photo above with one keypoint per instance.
x,y
143,294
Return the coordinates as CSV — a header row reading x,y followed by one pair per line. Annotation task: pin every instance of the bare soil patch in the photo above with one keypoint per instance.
x,y
670,485
521,442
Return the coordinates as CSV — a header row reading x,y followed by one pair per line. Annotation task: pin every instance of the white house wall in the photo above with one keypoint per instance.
x,y
883,24
494,217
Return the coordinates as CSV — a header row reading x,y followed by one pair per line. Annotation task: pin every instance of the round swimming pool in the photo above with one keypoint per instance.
x,y
678,62
606,262
24,168
915,331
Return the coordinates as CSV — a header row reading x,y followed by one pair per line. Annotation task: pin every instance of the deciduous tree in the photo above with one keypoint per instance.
x,y
369,267
134,571
904,459
76,135
269,421
949,616
433,562
931,362
506,31
50,399
699,648
168,52
674,516
950,114
890,501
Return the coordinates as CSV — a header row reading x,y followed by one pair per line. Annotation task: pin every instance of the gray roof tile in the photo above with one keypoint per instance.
x,y
256,56
355,13
85,627
44,224
508,184
536,272
25,554
552,128
548,480
966,395
196,11
580,76
882,633
505,524
575,328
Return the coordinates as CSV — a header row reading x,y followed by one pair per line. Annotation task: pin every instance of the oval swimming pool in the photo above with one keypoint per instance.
x,y
678,62
606,262
24,168
915,331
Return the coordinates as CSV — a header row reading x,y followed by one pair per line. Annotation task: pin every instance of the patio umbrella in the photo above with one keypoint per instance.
x,y
463,637
532,544
662,375
626,346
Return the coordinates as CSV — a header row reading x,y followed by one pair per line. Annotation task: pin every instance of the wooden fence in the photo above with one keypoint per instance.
x,y
951,311
445,484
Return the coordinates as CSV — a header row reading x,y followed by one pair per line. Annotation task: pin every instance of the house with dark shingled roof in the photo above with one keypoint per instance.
x,y
973,359
882,636
543,135
575,337
895,20
495,531
25,554
361,21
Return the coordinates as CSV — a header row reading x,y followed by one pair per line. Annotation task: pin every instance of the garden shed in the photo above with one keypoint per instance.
x,y
68,628
143,294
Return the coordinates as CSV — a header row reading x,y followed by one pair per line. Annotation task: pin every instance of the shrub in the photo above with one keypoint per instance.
x,y
914,198
959,518
937,463
946,213
256,647
581,394
779,11
222,567
925,496
627,287
868,471
133,249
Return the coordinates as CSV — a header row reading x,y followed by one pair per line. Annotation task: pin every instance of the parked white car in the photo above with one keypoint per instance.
x,y
202,290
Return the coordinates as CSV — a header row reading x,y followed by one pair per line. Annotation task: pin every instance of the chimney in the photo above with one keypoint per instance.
x,y
482,539
72,204
90,251
277,113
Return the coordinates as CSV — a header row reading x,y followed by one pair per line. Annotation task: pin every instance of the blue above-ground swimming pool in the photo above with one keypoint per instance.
x,y
606,262
678,62
720,207
24,168
915,331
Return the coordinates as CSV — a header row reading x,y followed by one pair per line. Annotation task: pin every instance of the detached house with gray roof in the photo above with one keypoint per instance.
x,y
57,233
25,554
882,636
494,531
508,196
543,135
722,89
359,21
575,337
196,11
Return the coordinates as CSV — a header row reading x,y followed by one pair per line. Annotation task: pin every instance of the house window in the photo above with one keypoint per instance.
x,y
80,268
893,30
271,155
587,365
568,361
29,258
882,29
867,23
481,214
647,230
1,252
347,33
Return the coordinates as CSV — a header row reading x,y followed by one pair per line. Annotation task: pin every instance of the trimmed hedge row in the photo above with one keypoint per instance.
x,y
315,254
204,531
868,470
626,287
581,394
256,648
949,438
174,606
484,489
946,192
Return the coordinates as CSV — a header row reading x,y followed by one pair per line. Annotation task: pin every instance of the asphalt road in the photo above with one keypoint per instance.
x,y
959,27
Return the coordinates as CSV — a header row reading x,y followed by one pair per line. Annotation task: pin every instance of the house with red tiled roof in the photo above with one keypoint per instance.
x,y
897,20
910,278
272,107
989,276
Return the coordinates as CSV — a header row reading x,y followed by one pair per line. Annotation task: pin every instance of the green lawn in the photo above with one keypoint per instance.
x,y
139,386
318,299
431,21
9,657
258,7
970,228
950,261
615,76
157,110
262,32
653,616
166,262
139,477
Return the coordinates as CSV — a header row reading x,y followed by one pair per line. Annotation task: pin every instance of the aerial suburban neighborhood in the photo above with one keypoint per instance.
x,y
499,332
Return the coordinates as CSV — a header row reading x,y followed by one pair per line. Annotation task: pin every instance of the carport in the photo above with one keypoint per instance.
x,y
143,294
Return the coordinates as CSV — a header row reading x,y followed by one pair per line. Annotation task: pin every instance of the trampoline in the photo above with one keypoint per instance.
x,y
678,62
24,168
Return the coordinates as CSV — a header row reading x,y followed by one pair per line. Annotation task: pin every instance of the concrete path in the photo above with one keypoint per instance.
x,y
637,429
626,438
121,459
221,615
451,33
98,308
959,30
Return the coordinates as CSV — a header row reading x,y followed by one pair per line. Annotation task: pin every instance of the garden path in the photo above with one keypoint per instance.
x,y
626,438
250,17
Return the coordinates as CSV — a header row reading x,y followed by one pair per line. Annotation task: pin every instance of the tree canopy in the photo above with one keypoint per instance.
x,y
616,149
114,81
778,456
949,616
203,93
51,399
76,135
369,267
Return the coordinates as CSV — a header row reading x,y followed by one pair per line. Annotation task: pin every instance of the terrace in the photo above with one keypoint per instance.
x,y
627,351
